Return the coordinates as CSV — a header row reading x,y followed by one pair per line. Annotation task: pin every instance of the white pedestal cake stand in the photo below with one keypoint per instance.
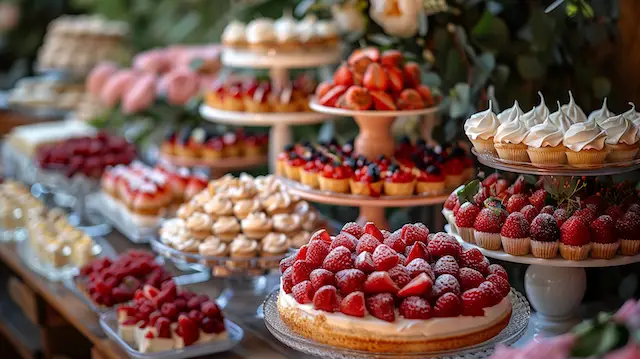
x,y
555,287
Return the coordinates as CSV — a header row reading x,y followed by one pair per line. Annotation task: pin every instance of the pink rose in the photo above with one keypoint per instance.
x,y
99,76
140,95
116,86
154,61
179,86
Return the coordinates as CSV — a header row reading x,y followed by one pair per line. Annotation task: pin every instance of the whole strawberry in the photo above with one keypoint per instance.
x,y
575,239
544,233
515,235
627,228
516,203
605,243
561,215
530,212
537,198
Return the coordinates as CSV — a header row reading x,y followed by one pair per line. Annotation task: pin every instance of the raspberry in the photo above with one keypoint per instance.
x,y
498,270
350,280
445,283
473,258
345,240
326,299
473,302
303,292
544,228
501,284
446,265
337,260
537,198
548,209
382,306
418,250
316,252
419,265
364,262
396,243
575,232
380,282
466,215
415,308
516,226
418,286
443,244
628,226
560,215
367,243
516,203
412,233
320,277
587,214
287,262
399,275
371,229
353,305
384,258
300,271
451,201
603,230
489,220
353,229
492,291
287,280
469,278
530,212
446,306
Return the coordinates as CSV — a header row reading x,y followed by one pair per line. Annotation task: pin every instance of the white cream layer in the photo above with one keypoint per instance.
x,y
430,329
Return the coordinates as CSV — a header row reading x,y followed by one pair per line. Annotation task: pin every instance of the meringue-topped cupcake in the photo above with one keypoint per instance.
x,y
511,113
286,33
601,114
481,128
537,114
622,138
509,137
585,144
261,34
544,144
234,35
573,111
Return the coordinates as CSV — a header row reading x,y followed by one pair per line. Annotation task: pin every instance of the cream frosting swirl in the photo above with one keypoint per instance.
x,y
482,125
573,111
620,130
275,243
560,119
601,114
276,201
241,191
285,28
219,205
545,134
234,32
632,114
257,221
214,247
286,223
199,221
542,110
511,113
243,207
514,131
326,29
584,136
226,224
244,246
260,30
186,210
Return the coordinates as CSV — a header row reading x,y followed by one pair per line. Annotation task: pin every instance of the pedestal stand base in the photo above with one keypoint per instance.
x,y
373,214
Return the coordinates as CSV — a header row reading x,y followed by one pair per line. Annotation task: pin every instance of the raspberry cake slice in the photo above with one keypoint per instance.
x,y
407,291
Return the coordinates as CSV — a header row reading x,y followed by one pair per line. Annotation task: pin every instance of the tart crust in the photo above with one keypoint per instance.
x,y
317,329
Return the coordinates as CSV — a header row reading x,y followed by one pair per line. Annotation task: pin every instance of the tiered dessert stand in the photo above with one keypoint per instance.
x,y
373,140
216,168
555,286
278,64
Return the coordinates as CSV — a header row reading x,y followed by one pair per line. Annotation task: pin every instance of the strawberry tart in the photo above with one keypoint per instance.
x,y
408,291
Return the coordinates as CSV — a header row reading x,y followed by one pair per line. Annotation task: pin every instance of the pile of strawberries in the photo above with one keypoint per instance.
x,y
109,282
369,80
161,308
365,270
520,221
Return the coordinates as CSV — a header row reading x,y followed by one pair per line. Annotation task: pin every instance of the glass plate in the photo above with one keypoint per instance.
x,y
109,323
515,330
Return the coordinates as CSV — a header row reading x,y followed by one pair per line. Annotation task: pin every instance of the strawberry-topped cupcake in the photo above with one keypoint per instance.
x,y
465,219
213,148
544,234
335,177
398,182
575,239
233,99
282,159
367,181
515,235
487,227
604,243
430,180
215,97
293,166
627,229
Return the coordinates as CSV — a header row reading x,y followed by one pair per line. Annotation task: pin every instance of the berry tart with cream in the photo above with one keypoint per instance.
x,y
408,291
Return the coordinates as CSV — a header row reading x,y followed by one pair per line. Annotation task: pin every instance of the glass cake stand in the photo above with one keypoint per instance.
x,y
515,330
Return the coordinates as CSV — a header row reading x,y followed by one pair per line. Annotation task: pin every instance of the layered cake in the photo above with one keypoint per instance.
x,y
407,291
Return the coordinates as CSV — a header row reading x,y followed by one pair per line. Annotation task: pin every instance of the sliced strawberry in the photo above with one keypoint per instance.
x,y
323,88
353,304
338,259
367,243
344,239
331,98
371,53
353,229
320,277
370,228
445,283
343,76
409,99
418,250
384,258
469,278
419,265
358,98
415,307
303,292
447,306
380,282
418,286
364,262
381,306
412,74
375,78
382,101
149,291
326,299
392,58
427,95
317,251
302,252
350,280
396,82
188,329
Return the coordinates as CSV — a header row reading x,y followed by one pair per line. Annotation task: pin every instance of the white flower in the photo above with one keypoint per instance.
x,y
397,17
348,17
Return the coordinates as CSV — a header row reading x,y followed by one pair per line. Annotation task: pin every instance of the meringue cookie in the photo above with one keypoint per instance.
x,y
573,111
256,225
601,114
584,136
482,125
511,113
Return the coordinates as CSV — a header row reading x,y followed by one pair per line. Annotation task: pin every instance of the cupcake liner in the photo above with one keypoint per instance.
x,y
432,188
629,247
487,240
293,172
516,246
467,234
399,189
333,185
366,189
512,152
484,146
586,157
621,152
604,250
575,253
547,156
309,178
545,250
280,168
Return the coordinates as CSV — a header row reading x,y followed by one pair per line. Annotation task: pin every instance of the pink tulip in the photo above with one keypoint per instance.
x,y
179,86
154,61
99,76
116,86
140,95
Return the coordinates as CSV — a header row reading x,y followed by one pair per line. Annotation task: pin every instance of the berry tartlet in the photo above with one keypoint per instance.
x,y
367,181
206,144
358,291
335,177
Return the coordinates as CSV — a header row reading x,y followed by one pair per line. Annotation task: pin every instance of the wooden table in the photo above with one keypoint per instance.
x,y
58,307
